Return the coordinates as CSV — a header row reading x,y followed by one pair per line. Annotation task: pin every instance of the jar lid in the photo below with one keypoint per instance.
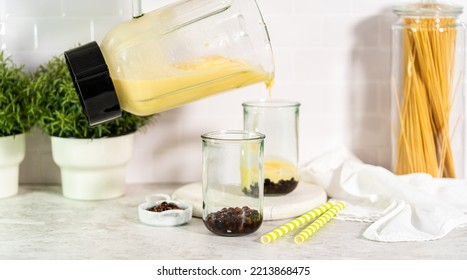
x,y
428,9
92,81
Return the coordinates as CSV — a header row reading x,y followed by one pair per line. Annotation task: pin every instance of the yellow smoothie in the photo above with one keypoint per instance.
x,y
189,81
280,176
278,169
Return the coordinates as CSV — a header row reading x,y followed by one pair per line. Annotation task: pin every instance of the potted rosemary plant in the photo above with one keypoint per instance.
x,y
15,121
92,160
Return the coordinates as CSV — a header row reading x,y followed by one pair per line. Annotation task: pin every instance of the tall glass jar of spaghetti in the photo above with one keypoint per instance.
x,y
428,126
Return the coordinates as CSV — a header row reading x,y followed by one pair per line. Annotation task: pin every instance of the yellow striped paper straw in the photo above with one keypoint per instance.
x,y
298,222
323,219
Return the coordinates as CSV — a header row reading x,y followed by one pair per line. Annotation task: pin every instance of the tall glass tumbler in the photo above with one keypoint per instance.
x,y
232,181
278,120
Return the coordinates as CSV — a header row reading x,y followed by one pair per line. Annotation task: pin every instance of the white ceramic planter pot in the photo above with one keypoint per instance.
x,y
92,169
12,152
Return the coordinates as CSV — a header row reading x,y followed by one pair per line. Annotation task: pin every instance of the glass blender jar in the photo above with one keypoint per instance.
x,y
171,56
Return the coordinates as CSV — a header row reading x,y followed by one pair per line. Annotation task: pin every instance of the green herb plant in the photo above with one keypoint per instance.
x,y
59,109
16,111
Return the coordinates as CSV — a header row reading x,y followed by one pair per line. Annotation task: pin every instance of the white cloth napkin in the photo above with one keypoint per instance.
x,y
413,207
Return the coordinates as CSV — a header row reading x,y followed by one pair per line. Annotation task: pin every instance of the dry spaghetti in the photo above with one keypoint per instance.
x,y
423,141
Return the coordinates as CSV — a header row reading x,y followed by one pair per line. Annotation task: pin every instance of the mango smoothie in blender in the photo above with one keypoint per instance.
x,y
190,81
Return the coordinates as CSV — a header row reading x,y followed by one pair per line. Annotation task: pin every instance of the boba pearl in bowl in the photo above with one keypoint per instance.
x,y
160,210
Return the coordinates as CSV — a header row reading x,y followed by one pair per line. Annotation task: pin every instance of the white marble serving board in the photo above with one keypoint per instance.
x,y
304,198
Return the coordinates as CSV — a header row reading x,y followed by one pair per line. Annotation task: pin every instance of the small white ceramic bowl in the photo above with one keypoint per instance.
x,y
166,218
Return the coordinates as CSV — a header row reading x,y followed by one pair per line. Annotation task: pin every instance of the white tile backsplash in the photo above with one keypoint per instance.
x,y
371,7
323,64
296,31
276,7
53,34
33,8
92,8
323,7
332,56
20,35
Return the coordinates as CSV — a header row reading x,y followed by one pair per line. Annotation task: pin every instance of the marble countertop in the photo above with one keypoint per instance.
x,y
39,223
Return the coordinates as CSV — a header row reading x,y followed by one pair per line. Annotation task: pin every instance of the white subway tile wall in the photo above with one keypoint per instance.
x,y
332,56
